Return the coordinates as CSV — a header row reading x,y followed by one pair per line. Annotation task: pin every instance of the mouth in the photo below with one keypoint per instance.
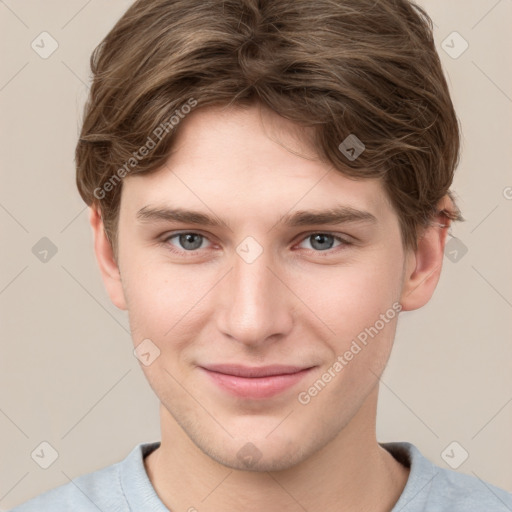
x,y
254,382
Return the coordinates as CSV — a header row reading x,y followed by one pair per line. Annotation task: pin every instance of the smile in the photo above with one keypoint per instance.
x,y
255,382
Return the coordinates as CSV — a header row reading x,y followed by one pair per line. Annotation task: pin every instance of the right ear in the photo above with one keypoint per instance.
x,y
105,256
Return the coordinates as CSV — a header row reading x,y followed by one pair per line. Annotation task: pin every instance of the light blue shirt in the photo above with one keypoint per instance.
x,y
125,487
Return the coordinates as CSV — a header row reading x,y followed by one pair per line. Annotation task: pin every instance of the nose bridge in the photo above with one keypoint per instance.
x,y
256,306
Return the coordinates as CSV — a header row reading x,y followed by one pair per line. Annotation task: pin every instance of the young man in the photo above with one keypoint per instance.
x,y
269,190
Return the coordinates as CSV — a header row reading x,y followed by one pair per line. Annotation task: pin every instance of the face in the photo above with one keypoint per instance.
x,y
315,299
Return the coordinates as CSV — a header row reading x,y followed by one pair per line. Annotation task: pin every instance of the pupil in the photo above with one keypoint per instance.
x,y
186,238
321,239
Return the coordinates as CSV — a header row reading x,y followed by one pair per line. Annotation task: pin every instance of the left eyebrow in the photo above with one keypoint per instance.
x,y
332,216
339,215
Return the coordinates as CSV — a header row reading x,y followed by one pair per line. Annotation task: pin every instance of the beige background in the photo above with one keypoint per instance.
x,y
67,372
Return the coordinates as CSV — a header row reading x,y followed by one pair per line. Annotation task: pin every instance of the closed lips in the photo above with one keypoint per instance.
x,y
254,372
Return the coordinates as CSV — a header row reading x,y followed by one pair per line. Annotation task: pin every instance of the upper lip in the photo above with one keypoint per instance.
x,y
254,371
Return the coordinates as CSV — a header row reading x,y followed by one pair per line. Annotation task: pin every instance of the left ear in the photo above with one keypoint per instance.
x,y
423,266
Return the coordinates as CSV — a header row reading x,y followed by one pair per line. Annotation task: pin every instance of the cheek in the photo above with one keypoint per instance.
x,y
363,313
164,300
351,297
367,325
163,307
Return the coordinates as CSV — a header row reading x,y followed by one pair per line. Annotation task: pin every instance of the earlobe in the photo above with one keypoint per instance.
x,y
423,266
105,257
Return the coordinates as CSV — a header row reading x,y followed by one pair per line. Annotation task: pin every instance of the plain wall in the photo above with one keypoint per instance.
x,y
67,371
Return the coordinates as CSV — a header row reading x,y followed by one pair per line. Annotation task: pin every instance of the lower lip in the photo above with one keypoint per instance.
x,y
256,387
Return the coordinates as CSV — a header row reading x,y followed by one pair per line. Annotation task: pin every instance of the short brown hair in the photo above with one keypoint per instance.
x,y
344,67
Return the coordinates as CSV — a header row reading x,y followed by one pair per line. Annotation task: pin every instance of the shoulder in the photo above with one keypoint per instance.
x,y
453,491
99,490
430,487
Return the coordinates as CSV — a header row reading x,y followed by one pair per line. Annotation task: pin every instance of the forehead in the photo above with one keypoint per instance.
x,y
248,161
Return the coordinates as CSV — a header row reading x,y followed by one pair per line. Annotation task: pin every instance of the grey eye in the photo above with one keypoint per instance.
x,y
321,241
189,241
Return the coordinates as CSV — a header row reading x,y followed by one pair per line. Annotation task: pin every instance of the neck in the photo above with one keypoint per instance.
x,y
350,473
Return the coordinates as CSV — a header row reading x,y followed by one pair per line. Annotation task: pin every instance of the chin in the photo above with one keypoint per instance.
x,y
259,459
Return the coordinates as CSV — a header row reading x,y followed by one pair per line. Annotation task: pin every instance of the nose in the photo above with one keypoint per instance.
x,y
256,306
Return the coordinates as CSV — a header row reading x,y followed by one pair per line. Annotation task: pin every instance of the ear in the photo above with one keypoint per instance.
x,y
423,266
106,261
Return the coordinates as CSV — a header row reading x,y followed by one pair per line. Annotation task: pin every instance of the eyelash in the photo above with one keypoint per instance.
x,y
324,253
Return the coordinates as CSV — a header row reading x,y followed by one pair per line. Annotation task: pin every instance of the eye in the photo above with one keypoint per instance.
x,y
188,242
321,242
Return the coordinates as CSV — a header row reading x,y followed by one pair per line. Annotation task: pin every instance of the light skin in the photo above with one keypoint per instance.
x,y
301,302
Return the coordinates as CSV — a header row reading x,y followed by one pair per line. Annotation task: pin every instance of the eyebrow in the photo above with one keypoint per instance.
x,y
333,216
